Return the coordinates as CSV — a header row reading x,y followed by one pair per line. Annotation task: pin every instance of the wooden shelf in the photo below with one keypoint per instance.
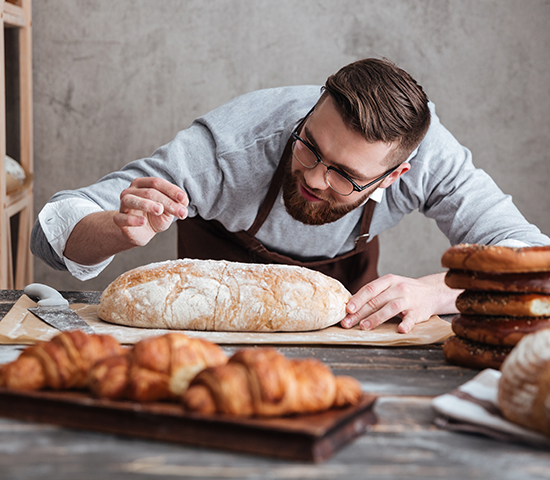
x,y
16,208
14,16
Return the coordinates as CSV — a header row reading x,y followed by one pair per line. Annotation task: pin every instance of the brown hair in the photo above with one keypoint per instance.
x,y
383,102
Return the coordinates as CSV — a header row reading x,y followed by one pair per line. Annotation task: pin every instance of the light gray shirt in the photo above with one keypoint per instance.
x,y
226,159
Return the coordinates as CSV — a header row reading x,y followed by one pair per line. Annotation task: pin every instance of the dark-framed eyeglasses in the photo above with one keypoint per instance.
x,y
335,178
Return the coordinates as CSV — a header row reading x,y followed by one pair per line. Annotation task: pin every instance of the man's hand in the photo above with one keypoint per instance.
x,y
148,207
414,300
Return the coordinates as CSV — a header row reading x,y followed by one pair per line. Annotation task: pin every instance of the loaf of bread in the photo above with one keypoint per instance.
x,y
157,368
15,175
224,296
263,382
59,364
524,387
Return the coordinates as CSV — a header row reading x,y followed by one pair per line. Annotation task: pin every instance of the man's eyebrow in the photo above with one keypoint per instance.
x,y
349,171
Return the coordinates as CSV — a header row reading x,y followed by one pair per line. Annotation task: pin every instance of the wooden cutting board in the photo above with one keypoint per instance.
x,y
306,437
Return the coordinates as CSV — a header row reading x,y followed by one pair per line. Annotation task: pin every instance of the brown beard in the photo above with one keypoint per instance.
x,y
312,213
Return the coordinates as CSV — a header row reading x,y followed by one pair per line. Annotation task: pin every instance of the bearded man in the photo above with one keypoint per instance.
x,y
302,175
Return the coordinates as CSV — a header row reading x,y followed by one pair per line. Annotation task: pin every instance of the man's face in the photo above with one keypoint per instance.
x,y
306,194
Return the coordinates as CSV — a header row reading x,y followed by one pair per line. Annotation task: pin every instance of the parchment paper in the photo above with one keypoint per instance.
x,y
20,326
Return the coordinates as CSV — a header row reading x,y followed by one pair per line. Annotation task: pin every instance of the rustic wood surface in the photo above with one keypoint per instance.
x,y
404,443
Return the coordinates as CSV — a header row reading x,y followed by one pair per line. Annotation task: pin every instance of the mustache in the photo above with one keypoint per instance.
x,y
320,194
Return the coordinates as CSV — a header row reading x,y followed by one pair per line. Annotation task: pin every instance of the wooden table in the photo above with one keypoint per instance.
x,y
403,444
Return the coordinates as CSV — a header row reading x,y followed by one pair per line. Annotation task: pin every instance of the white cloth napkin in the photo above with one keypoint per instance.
x,y
473,407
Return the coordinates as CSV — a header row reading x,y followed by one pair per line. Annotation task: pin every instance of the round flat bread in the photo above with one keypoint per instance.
x,y
490,258
533,282
497,330
466,353
510,304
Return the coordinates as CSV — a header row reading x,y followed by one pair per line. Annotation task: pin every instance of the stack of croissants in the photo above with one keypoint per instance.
x,y
174,367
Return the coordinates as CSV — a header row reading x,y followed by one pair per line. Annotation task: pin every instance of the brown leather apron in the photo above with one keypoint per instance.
x,y
208,239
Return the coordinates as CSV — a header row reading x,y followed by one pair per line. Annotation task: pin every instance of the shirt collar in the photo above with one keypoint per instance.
x,y
377,195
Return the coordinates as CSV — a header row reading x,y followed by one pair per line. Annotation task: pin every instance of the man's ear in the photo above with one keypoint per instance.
x,y
393,176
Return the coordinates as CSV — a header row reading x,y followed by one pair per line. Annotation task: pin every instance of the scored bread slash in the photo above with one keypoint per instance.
x,y
224,296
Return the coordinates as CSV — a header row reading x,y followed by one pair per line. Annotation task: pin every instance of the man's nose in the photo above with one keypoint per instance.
x,y
316,177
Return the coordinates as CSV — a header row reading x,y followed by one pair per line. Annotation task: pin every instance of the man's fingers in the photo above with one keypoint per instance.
x,y
169,198
350,321
389,310
163,186
130,202
150,201
128,220
368,293
406,325
366,301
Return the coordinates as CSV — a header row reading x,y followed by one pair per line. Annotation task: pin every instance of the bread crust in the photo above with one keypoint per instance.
x,y
492,258
497,330
224,296
155,368
533,282
61,363
524,387
473,302
263,382
466,353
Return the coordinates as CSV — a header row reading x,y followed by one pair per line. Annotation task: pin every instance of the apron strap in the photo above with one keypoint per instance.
x,y
272,192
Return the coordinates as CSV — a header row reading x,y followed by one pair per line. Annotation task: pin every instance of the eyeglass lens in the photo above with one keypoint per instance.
x,y
334,180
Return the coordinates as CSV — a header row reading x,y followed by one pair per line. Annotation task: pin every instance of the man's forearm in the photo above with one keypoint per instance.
x,y
95,238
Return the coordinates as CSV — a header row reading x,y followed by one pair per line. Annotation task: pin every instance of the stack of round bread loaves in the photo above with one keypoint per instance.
x,y
506,296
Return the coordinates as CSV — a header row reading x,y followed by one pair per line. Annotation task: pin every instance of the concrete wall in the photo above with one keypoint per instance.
x,y
115,80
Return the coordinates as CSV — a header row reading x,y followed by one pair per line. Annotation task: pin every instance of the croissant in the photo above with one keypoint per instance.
x,y
60,364
262,382
157,368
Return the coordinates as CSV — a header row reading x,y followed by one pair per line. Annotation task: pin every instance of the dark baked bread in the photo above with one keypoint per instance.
x,y
503,304
533,282
490,258
497,330
466,353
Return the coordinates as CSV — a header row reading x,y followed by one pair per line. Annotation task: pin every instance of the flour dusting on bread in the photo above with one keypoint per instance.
x,y
224,296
